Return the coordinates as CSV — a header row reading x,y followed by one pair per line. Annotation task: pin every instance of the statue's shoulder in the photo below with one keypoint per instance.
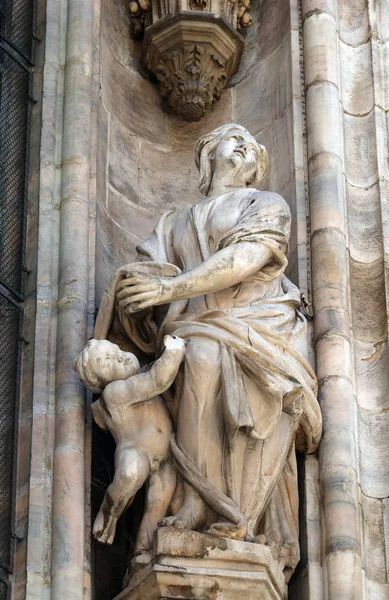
x,y
269,199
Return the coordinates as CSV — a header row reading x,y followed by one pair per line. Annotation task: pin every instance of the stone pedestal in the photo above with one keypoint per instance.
x,y
195,566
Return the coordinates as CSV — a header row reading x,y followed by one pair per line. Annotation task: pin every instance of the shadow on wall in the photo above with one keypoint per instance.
x,y
145,162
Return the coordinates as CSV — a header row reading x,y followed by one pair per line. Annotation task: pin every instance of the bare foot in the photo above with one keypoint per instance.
x,y
260,539
228,530
104,527
188,517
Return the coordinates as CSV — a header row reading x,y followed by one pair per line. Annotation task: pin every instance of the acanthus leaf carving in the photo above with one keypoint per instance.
x,y
191,79
198,4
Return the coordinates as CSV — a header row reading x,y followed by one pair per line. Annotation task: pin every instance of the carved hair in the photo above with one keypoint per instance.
x,y
95,353
208,143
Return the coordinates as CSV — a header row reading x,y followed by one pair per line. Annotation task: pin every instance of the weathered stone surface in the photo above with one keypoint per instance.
x,y
313,513
134,101
360,150
115,31
374,452
329,275
339,398
102,151
310,7
371,367
357,78
123,161
137,220
266,93
368,300
364,212
273,26
326,187
353,22
157,193
197,566
385,509
344,575
278,140
320,47
110,256
323,117
373,537
376,591
338,358
182,136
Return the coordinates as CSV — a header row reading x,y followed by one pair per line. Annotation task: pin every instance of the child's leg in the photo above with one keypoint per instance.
x,y
132,467
161,489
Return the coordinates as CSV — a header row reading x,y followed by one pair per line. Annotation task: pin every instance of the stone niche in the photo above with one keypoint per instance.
x,y
146,167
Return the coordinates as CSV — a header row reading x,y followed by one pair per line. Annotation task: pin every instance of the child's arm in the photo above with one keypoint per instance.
x,y
154,382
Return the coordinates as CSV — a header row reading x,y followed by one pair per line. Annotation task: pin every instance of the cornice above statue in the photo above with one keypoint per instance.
x,y
192,47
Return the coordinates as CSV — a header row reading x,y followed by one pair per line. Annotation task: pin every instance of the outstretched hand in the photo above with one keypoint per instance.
x,y
141,290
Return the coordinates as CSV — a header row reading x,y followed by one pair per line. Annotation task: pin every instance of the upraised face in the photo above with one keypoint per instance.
x,y
240,151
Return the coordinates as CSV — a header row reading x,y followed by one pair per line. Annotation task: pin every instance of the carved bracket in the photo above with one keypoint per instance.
x,y
191,46
192,54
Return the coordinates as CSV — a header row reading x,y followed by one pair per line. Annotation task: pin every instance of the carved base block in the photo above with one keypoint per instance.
x,y
195,566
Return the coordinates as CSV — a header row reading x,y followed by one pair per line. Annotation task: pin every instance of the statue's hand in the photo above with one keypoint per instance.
x,y
140,291
173,342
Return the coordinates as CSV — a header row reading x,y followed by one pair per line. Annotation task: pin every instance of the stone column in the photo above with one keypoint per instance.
x,y
330,282
67,564
56,544
346,71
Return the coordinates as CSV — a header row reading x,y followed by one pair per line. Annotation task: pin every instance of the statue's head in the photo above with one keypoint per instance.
x,y
102,362
233,148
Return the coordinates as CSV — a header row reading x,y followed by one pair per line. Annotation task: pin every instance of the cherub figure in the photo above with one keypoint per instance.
x,y
131,408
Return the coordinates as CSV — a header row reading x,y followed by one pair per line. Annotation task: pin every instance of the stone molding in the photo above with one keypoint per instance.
x,y
196,566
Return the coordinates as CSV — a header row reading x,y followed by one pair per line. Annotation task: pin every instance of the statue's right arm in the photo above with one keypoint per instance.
x,y
144,386
163,372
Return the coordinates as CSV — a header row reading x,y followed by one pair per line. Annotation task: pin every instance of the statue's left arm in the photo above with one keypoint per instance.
x,y
258,239
225,268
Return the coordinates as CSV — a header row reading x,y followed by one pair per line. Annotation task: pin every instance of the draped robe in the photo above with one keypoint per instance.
x,y
268,390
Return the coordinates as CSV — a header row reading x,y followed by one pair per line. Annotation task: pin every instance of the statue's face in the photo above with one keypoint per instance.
x,y
110,363
238,150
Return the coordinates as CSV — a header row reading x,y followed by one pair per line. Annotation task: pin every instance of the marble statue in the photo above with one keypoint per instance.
x,y
131,408
244,399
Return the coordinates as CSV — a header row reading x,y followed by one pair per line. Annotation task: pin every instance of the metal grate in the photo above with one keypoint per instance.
x,y
16,48
9,354
14,86
16,24
5,591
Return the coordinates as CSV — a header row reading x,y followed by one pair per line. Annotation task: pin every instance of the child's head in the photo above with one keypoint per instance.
x,y
101,362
